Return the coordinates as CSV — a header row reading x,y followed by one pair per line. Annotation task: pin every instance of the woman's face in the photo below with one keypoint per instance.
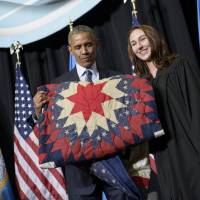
x,y
140,44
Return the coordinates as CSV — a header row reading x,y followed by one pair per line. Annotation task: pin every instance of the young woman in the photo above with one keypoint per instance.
x,y
177,90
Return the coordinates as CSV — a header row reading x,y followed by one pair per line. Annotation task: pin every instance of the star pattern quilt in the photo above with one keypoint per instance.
x,y
86,121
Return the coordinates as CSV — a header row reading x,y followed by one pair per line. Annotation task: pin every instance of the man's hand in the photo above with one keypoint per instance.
x,y
39,99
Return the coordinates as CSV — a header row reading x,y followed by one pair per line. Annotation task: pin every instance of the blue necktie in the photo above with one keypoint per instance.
x,y
88,76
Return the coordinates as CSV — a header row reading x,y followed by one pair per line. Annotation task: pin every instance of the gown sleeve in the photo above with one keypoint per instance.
x,y
188,77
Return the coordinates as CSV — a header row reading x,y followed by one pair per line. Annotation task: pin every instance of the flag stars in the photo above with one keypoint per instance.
x,y
23,105
23,119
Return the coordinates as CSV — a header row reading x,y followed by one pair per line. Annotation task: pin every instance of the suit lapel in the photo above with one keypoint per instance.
x,y
73,75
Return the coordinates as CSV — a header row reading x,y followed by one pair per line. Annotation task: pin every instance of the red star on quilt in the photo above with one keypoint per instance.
x,y
89,99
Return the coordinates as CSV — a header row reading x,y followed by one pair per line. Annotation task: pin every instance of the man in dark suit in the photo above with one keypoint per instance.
x,y
81,183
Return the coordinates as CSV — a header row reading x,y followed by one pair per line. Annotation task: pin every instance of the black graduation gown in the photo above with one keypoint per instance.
x,y
177,154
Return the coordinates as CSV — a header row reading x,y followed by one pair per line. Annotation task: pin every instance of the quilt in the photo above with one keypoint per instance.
x,y
88,121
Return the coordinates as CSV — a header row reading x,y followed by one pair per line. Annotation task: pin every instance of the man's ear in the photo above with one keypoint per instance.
x,y
69,48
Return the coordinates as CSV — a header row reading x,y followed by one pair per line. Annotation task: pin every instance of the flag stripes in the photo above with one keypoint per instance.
x,y
27,160
24,164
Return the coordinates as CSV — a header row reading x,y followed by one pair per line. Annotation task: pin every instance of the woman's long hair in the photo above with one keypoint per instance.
x,y
160,54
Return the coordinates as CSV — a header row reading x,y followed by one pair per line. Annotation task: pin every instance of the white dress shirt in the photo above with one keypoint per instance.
x,y
81,72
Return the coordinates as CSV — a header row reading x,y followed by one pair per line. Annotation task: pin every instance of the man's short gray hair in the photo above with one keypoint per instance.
x,y
81,29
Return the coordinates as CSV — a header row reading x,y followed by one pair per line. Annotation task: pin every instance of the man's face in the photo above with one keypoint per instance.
x,y
83,46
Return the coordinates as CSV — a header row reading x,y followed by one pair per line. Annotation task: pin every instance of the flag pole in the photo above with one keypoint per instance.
x,y
72,60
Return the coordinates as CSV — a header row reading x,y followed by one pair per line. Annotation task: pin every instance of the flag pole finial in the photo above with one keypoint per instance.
x,y
70,25
15,48
134,11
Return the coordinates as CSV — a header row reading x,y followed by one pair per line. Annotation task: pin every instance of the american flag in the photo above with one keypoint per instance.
x,y
32,181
